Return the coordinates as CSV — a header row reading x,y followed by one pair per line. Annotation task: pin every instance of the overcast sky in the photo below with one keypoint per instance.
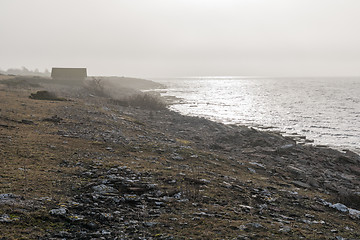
x,y
157,38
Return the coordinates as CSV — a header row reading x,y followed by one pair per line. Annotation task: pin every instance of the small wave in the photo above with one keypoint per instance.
x,y
323,127
315,109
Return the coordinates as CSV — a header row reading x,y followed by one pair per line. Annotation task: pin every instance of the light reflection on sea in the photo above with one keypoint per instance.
x,y
326,110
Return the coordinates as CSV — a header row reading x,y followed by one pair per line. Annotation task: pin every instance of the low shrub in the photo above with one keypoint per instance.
x,y
45,95
96,87
142,100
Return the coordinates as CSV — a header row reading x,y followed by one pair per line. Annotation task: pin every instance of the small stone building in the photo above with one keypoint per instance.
x,y
69,75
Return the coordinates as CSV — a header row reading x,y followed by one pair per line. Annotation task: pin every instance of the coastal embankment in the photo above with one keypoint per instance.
x,y
76,164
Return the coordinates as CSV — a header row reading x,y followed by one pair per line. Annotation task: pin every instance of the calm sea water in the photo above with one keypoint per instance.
x,y
325,110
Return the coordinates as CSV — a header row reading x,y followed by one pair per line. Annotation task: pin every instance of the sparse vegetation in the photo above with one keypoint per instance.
x,y
163,179
96,87
143,101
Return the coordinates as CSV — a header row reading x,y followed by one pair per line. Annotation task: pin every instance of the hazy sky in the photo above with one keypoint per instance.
x,y
155,38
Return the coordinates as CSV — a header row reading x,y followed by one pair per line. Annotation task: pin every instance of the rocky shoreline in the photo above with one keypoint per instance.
x,y
90,168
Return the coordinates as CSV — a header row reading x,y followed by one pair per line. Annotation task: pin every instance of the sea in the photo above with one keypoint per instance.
x,y
319,111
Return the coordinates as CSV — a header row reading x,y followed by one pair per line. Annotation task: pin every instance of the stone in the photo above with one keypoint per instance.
x,y
340,207
131,197
8,197
159,203
339,238
91,225
58,211
5,218
301,184
103,189
106,216
258,165
177,158
312,182
287,146
354,213
105,232
150,224
76,217
345,160
204,181
255,225
285,229
295,170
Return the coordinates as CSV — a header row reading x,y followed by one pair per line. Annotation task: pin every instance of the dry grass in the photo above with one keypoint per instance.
x,y
5,77
30,164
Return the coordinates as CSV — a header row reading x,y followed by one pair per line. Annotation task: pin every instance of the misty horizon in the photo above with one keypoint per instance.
x,y
46,73
158,38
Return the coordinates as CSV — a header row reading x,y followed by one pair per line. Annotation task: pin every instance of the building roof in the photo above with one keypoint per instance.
x,y
68,73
